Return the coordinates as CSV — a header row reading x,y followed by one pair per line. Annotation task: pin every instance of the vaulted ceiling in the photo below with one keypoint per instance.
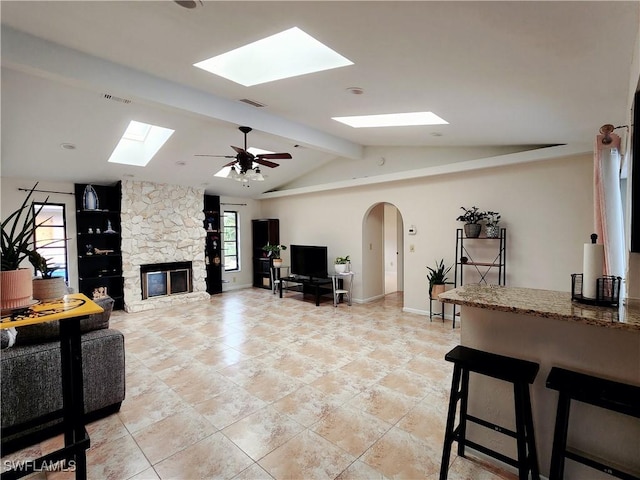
x,y
512,75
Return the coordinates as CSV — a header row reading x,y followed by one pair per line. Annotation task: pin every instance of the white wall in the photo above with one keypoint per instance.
x,y
390,248
247,210
546,206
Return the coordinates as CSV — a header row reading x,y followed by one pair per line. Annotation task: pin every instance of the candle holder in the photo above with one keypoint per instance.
x,y
607,290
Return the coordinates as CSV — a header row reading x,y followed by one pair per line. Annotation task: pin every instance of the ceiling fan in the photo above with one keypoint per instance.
x,y
244,160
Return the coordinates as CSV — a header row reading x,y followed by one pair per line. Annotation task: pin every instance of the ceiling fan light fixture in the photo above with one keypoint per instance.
x,y
232,173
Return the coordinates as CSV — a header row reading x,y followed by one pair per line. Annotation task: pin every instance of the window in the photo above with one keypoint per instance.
x,y
230,240
51,236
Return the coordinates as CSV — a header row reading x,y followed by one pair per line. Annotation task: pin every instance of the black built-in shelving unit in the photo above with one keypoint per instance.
x,y
100,270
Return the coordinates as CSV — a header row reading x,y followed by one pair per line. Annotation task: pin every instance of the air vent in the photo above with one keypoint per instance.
x,y
108,96
253,103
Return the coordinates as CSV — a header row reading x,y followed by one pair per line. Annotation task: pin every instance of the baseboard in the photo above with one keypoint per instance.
x,y
228,287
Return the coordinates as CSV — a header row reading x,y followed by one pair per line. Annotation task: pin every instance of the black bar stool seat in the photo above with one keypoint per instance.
x,y
600,392
521,373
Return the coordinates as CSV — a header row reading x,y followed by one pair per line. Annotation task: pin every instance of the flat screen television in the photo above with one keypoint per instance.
x,y
309,261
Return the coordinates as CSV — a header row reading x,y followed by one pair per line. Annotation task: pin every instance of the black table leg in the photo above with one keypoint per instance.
x,y
73,393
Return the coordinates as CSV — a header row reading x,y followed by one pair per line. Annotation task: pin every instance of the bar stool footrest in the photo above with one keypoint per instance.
x,y
597,463
492,426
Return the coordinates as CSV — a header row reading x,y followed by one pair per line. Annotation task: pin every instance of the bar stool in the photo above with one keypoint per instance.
x,y
619,397
521,374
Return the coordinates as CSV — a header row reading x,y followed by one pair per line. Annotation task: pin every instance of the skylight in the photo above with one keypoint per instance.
x,y
283,55
139,144
392,120
137,131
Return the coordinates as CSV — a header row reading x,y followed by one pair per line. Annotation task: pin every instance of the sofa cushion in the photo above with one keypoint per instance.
x,y
48,331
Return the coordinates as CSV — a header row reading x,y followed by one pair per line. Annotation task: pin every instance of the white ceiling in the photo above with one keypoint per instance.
x,y
502,74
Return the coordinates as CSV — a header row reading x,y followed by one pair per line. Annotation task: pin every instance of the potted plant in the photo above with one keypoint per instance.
x,y
493,230
273,251
17,243
341,264
47,287
471,218
437,278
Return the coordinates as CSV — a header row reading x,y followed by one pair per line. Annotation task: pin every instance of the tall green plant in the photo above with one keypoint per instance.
x,y
18,234
438,275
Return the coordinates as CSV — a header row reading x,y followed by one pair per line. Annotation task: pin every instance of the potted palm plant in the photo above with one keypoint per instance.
x,y
437,278
471,218
47,287
273,251
17,244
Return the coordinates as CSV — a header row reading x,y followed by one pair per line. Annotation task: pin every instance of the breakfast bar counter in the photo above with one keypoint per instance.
x,y
548,328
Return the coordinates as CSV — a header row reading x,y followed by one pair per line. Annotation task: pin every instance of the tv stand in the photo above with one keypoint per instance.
x,y
313,285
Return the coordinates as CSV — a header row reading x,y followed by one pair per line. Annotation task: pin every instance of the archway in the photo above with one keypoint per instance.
x,y
382,251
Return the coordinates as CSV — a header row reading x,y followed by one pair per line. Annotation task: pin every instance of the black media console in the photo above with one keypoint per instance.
x,y
306,285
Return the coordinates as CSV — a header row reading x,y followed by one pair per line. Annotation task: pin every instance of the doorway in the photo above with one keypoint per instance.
x,y
383,251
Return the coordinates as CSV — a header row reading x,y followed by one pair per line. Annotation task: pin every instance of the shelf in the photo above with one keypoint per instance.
x,y
480,264
97,211
108,234
102,255
101,277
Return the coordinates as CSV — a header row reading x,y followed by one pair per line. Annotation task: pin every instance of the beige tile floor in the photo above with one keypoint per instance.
x,y
251,386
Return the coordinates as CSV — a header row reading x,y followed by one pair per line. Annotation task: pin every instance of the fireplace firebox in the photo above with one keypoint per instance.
x,y
162,279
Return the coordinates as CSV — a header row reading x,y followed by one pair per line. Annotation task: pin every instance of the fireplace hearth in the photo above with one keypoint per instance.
x,y
164,279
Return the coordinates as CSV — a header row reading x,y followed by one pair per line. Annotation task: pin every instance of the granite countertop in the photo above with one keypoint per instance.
x,y
543,303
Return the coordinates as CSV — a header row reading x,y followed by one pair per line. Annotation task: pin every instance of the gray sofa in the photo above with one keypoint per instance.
x,y
30,378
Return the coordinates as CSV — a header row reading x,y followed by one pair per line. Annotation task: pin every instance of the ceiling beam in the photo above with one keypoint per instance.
x,y
25,52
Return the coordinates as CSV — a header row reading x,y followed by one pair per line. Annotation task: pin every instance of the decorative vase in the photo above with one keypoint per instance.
x,y
17,288
493,231
277,262
340,267
472,230
90,198
48,289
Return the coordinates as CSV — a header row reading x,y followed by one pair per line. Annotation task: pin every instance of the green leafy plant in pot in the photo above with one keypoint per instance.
x,y
471,218
273,251
47,287
341,264
16,245
437,278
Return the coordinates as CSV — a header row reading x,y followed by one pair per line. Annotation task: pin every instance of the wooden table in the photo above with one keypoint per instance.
x,y
69,311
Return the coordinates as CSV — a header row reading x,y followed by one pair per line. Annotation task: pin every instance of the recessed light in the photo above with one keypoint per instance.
x,y
355,90
68,146
392,120
436,134
286,54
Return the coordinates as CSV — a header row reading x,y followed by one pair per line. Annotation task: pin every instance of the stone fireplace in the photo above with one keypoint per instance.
x,y
162,225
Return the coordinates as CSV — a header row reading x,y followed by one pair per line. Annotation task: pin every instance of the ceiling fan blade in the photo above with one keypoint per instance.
x,y
230,164
217,156
266,163
274,156
238,149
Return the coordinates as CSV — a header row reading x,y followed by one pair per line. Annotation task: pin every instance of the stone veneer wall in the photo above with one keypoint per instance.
x,y
161,223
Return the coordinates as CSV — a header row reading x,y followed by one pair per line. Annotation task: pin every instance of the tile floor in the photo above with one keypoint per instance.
x,y
251,386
